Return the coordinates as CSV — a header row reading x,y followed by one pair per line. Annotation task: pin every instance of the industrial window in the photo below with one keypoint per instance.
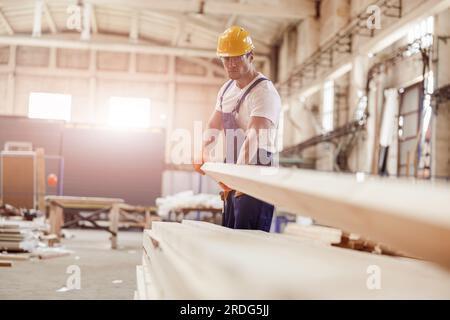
x,y
55,106
129,112
328,106
423,31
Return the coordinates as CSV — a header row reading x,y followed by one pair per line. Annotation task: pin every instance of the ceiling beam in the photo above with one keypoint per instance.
x,y
37,19
113,75
50,21
134,26
211,29
111,45
291,9
105,46
6,24
232,19
86,30
94,24
180,31
284,9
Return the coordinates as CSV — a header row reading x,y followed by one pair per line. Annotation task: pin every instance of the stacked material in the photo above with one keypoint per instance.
x,y
187,199
196,260
320,234
338,238
410,217
18,235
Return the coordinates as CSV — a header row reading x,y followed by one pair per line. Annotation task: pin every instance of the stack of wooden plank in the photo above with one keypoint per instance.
x,y
325,235
7,259
338,238
409,216
197,260
18,235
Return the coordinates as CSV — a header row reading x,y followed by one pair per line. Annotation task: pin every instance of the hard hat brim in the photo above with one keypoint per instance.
x,y
227,54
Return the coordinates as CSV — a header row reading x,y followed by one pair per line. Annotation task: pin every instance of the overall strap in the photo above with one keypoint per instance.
x,y
254,84
225,90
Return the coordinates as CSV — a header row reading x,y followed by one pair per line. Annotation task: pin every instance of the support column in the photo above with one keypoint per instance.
x,y
11,83
359,159
170,105
92,114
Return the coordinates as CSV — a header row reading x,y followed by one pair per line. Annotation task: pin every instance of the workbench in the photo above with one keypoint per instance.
x,y
180,213
115,207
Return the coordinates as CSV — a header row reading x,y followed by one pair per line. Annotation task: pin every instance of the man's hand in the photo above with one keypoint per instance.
x,y
225,187
198,166
238,194
198,161
226,191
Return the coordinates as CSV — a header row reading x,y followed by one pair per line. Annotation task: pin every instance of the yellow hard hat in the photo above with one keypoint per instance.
x,y
235,41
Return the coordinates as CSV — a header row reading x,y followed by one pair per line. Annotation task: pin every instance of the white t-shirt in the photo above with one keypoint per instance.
x,y
262,101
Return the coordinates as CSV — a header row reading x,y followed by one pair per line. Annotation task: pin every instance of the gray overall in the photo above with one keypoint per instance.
x,y
243,212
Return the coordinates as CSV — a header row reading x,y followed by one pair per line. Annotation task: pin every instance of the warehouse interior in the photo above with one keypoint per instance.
x,y
104,104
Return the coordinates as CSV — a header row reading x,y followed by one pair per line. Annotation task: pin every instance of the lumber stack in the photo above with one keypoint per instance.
x,y
325,235
197,260
408,216
336,237
17,235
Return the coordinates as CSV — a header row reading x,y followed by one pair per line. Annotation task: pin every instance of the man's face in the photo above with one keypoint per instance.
x,y
236,67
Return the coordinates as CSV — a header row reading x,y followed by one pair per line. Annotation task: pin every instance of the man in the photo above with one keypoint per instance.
x,y
247,109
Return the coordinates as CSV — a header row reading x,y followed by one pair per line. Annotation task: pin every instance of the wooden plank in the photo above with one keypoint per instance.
x,y
17,257
315,233
170,269
12,237
153,291
50,255
141,291
241,265
83,202
6,263
383,210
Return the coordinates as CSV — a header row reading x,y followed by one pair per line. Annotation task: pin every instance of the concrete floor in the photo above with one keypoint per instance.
x,y
99,266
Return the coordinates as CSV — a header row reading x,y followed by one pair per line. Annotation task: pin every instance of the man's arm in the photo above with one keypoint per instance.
x,y
258,127
214,123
